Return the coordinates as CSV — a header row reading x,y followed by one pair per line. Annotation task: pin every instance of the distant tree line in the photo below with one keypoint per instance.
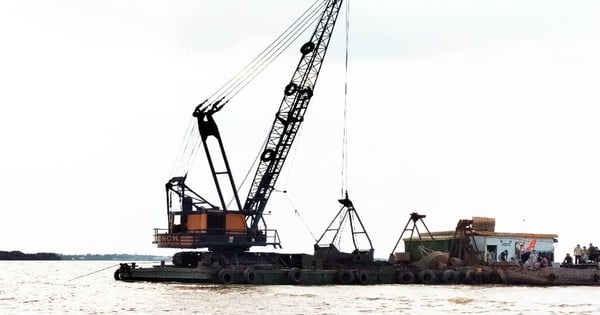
x,y
17,255
122,257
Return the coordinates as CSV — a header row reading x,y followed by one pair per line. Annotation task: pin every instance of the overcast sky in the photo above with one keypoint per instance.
x,y
456,109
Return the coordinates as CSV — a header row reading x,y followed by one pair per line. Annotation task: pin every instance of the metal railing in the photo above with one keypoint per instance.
x,y
207,238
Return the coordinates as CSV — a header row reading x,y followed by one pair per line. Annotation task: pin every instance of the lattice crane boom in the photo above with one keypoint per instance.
x,y
289,117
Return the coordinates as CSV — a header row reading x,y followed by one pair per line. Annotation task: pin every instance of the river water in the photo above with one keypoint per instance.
x,y
87,287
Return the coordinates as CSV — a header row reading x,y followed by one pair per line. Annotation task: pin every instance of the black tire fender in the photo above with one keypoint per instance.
x,y
117,274
406,276
427,276
362,277
249,276
225,276
479,277
470,276
123,273
295,275
345,276
494,277
450,276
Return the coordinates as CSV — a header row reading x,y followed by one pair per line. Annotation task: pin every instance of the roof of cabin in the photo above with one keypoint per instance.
x,y
450,235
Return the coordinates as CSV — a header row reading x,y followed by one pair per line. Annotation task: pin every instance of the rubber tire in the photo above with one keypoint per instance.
x,y
249,276
470,276
295,275
345,276
225,276
117,274
362,277
479,277
427,276
406,277
450,276
493,277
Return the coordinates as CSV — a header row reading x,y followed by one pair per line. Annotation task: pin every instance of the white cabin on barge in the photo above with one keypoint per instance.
x,y
489,243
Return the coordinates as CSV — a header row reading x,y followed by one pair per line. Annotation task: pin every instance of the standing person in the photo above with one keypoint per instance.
x,y
504,255
578,252
489,257
593,253
544,262
585,255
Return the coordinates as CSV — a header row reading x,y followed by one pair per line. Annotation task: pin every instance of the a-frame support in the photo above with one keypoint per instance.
x,y
329,252
414,218
463,235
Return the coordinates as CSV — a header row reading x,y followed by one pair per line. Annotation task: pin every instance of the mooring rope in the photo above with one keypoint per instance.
x,y
93,272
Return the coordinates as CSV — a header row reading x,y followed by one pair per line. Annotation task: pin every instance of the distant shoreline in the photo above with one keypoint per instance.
x,y
18,255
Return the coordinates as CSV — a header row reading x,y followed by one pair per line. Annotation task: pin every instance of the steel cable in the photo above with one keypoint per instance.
x,y
308,23
266,57
191,141
344,174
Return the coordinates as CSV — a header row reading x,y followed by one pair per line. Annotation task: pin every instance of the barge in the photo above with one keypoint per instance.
x,y
550,276
226,230
304,269
418,264
301,269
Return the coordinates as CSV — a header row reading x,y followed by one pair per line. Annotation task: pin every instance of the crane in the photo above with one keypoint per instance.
x,y
193,221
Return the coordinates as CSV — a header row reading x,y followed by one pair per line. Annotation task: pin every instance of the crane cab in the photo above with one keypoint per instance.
x,y
212,229
194,222
211,222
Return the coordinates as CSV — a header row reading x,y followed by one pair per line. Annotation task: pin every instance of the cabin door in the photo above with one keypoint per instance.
x,y
491,253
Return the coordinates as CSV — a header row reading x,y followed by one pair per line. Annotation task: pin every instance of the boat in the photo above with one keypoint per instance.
x,y
418,264
550,276
227,231
303,269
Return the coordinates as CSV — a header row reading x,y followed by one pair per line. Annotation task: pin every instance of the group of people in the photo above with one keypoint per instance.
x,y
536,261
583,255
530,260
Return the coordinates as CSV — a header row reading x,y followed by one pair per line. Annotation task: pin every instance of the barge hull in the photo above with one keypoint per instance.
x,y
551,276
298,276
